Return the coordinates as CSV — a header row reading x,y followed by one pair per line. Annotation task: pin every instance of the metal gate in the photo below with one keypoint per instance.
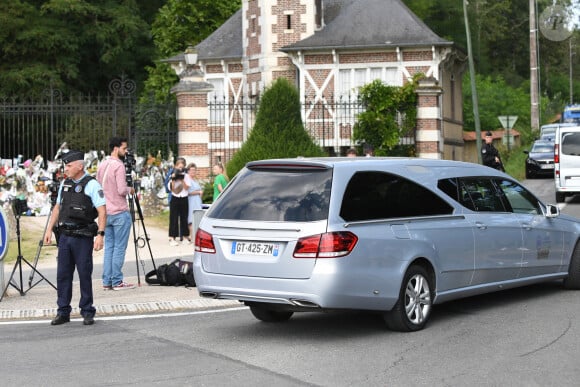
x,y
40,125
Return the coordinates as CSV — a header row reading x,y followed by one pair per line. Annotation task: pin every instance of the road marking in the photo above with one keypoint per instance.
x,y
131,317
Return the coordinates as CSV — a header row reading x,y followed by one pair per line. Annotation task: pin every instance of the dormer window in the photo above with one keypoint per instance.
x,y
318,14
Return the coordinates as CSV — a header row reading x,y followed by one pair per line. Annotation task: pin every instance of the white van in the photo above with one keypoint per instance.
x,y
567,161
548,131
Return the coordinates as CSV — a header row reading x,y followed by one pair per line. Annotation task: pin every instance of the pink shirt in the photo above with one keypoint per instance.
x,y
111,175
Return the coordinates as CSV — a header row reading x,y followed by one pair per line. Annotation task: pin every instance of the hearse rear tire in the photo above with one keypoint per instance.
x,y
560,197
267,315
413,309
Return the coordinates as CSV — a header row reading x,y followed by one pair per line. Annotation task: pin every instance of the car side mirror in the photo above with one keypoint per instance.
x,y
552,211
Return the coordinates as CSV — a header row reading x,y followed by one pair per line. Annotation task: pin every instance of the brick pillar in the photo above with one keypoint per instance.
x,y
428,136
192,118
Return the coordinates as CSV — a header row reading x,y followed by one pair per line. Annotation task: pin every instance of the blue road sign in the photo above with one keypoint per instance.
x,y
4,234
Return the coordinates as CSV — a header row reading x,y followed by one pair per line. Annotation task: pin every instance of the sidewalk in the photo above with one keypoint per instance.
x,y
39,302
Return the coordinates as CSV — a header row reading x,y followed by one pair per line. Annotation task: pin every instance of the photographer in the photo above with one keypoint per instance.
x,y
178,207
111,175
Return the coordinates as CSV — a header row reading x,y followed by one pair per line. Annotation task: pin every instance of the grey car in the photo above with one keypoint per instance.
x,y
389,235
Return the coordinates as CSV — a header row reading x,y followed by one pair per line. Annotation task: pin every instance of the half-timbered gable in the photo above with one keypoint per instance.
x,y
329,48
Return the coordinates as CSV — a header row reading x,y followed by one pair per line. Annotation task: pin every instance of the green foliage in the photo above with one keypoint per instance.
x,y
496,98
180,23
73,45
278,131
379,125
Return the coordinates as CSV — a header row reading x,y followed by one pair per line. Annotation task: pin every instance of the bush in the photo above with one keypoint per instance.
x,y
278,131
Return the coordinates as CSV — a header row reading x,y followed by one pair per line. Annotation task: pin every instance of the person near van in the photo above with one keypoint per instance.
x,y
178,207
80,200
194,195
111,176
489,154
220,180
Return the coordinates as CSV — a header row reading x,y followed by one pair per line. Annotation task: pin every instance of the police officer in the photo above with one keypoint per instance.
x,y
489,154
80,200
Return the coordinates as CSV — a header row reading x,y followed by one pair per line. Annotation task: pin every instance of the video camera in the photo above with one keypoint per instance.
x,y
178,174
129,162
19,207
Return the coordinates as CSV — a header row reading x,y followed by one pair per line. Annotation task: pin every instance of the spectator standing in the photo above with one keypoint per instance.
x,y
351,152
220,181
194,195
178,205
80,200
489,154
168,177
111,176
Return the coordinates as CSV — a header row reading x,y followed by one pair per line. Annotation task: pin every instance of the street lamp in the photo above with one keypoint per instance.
x,y
190,55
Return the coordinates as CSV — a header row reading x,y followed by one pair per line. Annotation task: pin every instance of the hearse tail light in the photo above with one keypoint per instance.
x,y
556,153
204,242
327,245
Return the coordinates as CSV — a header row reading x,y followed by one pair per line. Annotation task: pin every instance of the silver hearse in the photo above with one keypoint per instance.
x,y
391,235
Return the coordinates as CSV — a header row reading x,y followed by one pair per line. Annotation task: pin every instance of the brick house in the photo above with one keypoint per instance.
x,y
329,48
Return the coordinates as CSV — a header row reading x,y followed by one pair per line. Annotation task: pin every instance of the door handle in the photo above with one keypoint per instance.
x,y
526,226
481,226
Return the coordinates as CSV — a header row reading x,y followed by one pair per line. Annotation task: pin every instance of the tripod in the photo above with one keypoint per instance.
x,y
138,241
39,248
18,265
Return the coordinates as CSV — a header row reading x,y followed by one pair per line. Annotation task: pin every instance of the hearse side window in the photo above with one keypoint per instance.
x,y
519,198
477,193
480,194
380,195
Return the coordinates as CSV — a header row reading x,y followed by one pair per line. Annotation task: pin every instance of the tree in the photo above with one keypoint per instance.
x,y
379,125
75,46
181,23
499,99
278,131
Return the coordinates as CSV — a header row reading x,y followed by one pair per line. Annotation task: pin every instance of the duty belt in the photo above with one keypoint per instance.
x,y
72,226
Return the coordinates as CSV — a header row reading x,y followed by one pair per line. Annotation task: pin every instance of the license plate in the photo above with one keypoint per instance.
x,y
548,166
255,248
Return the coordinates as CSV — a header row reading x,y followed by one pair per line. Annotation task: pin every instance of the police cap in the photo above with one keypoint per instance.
x,y
72,155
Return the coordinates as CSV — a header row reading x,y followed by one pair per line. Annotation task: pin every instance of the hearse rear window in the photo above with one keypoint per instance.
x,y
295,195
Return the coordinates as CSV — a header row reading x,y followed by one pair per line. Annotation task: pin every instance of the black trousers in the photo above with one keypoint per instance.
x,y
178,210
74,252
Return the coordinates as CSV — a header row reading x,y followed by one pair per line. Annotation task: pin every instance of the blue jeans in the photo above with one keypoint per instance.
x,y
116,237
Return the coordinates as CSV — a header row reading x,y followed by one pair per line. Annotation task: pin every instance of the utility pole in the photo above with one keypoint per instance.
x,y
571,80
473,88
534,87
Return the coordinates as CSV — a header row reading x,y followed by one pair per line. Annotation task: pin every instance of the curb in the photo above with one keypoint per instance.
x,y
124,309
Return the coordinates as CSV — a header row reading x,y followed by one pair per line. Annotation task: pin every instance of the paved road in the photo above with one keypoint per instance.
x,y
522,337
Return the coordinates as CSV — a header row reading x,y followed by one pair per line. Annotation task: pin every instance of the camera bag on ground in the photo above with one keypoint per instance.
x,y
176,273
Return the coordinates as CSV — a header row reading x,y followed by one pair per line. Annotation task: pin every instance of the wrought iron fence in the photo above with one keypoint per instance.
x,y
329,122
39,125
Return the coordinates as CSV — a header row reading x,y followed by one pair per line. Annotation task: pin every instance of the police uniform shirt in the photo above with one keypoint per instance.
x,y
92,189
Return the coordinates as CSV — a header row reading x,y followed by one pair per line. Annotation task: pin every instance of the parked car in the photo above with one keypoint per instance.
x,y
547,132
390,235
540,160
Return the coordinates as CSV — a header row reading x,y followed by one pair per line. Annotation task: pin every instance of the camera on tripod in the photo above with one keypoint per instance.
x,y
53,188
19,207
129,162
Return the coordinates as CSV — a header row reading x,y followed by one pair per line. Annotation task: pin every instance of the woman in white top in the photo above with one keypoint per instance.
x,y
194,195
